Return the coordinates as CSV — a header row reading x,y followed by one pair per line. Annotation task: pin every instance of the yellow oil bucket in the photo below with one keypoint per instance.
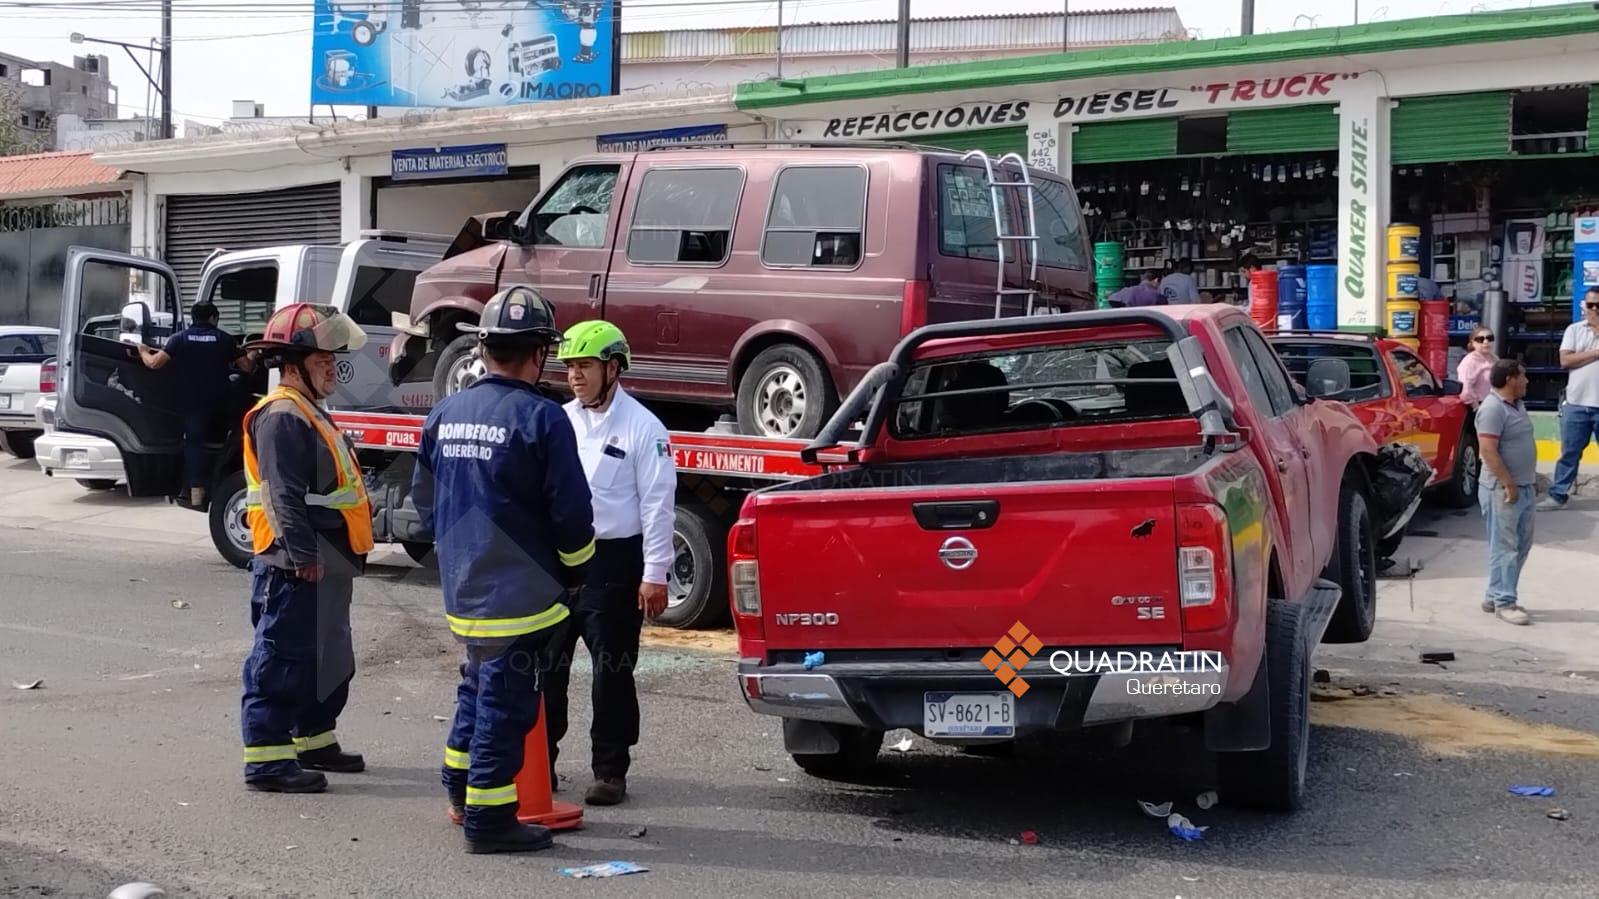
x,y
1403,283
1404,321
1404,243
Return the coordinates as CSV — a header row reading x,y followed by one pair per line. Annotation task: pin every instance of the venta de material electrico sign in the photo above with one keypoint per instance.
x,y
1306,87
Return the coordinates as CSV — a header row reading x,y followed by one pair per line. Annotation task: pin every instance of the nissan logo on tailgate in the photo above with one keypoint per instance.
x,y
957,553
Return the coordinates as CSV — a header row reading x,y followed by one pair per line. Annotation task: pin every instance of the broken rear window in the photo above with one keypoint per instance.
x,y
1040,387
1366,381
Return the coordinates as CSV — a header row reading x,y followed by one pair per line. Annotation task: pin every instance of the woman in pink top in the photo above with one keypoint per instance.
x,y
1475,366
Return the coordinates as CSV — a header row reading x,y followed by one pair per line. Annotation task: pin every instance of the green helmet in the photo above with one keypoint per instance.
x,y
595,340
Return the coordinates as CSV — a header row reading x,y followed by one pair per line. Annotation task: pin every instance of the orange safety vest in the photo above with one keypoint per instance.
x,y
349,497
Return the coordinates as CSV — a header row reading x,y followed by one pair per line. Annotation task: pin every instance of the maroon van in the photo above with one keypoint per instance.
x,y
766,278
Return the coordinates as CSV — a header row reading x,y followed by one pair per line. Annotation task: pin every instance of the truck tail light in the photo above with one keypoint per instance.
x,y
744,573
913,308
1204,566
47,377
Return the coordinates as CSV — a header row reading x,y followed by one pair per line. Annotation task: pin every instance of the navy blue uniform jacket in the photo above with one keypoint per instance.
x,y
499,485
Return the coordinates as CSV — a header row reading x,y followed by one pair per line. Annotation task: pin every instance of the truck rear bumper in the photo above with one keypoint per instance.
x,y
889,695
66,454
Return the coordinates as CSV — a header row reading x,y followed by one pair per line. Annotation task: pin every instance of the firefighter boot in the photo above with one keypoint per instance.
x,y
298,782
332,758
515,838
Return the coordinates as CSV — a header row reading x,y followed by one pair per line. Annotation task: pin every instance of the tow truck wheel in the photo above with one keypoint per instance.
x,y
1273,779
857,751
696,593
458,367
1354,568
230,528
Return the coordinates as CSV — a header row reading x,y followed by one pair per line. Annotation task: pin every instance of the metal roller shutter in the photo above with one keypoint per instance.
x,y
1124,141
993,141
1451,128
1593,118
198,225
1289,129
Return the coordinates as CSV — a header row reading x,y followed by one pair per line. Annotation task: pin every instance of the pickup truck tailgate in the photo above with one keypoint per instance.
x,y
1088,563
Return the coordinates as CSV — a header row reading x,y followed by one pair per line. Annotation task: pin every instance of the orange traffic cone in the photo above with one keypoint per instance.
x,y
536,805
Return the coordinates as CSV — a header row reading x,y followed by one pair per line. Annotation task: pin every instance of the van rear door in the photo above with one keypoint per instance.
x,y
964,246
103,387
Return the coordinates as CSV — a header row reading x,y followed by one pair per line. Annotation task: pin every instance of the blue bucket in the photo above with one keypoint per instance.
x,y
1321,297
1291,299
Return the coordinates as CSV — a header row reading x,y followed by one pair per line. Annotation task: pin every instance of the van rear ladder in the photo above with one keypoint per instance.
x,y
1026,243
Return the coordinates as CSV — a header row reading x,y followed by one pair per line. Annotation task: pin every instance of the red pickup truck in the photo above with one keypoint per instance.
x,y
1061,523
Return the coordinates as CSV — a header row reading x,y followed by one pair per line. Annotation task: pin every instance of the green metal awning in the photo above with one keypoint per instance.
x,y
1124,141
1451,128
1288,129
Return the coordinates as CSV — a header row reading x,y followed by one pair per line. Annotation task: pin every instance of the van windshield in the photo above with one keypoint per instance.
x,y
1040,387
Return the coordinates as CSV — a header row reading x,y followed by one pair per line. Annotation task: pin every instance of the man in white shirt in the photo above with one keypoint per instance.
x,y
1579,416
633,480
1179,286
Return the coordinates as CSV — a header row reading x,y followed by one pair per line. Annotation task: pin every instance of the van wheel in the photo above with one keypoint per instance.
x,y
422,554
1273,779
18,443
785,392
857,752
696,582
230,526
458,367
97,483
1354,568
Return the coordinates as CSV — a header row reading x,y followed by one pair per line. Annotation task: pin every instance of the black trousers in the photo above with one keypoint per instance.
x,y
606,615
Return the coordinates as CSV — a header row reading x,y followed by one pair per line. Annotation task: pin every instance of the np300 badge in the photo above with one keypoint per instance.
x,y
957,553
808,619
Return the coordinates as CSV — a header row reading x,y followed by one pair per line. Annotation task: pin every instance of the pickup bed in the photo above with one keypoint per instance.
x,y
24,351
1066,522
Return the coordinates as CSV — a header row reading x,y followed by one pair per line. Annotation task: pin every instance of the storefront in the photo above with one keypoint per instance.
x,y
1288,147
421,174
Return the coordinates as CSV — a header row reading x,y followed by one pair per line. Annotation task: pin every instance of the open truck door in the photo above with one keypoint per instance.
x,y
104,387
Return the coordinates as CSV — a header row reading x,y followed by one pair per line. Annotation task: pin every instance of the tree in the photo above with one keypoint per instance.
x,y
15,139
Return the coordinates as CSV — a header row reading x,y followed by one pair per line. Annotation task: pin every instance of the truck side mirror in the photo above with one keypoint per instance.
x,y
1327,378
135,327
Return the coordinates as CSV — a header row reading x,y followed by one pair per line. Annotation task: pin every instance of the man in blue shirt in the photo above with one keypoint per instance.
x,y
500,487
1145,293
204,355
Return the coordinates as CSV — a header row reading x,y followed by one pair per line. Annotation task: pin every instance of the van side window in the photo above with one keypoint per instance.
x,y
577,212
1060,229
966,213
684,215
816,218
380,292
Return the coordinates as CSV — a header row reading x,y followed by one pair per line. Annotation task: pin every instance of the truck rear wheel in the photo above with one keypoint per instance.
x,y
18,443
857,751
230,527
1273,779
696,582
1354,568
458,367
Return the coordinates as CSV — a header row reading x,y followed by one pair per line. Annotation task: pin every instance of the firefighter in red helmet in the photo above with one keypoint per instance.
x,y
311,525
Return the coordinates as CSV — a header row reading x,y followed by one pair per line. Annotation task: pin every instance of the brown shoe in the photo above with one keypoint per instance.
x,y
607,791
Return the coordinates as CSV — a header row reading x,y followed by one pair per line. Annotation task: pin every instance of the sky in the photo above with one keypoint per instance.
x,y
260,50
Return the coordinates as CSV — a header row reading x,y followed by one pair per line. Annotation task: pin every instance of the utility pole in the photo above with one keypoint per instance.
x,y
780,39
904,60
1248,26
166,69
1066,26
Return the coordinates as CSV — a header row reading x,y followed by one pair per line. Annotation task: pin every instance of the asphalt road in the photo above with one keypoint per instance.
x,y
124,767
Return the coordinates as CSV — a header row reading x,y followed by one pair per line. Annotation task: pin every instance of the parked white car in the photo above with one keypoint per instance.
x,y
92,461
23,352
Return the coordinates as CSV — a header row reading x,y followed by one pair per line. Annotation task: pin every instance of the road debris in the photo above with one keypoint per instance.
x,y
290,848
1403,774
902,746
1559,814
1532,791
180,604
1206,800
1183,828
813,659
137,891
184,804
1322,676
604,869
638,832
1433,658
1029,838
440,718
762,767
28,685
1162,810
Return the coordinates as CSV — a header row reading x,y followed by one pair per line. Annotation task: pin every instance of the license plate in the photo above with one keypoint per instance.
x,y
75,459
969,715
5,401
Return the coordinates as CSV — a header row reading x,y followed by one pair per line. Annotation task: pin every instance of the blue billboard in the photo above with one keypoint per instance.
x,y
460,54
